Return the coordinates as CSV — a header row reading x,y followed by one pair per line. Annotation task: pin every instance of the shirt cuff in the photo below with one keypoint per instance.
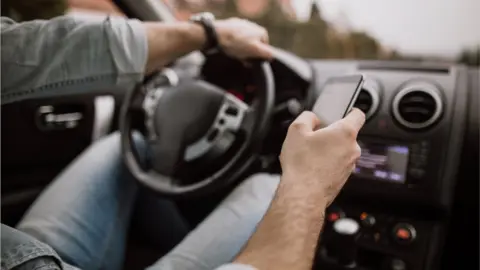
x,y
128,47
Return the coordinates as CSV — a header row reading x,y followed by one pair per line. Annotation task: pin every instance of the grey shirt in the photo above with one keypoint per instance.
x,y
63,56
70,55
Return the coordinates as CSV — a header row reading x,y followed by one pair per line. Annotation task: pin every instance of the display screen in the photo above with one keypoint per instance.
x,y
383,162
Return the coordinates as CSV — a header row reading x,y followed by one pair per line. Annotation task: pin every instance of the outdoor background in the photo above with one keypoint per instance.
x,y
419,30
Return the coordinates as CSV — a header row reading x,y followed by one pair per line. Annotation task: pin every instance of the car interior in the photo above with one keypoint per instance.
x,y
414,192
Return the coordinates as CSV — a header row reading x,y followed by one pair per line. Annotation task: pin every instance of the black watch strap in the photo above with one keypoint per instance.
x,y
206,21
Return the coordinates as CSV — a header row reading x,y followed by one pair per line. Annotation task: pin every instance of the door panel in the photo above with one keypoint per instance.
x,y
41,137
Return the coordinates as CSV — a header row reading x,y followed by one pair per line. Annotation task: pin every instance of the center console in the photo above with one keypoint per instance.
x,y
394,210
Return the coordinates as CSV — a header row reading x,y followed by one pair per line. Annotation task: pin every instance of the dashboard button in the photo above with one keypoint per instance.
x,y
404,233
398,264
334,216
367,220
394,264
232,111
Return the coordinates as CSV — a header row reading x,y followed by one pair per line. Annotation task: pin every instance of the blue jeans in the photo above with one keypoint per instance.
x,y
84,216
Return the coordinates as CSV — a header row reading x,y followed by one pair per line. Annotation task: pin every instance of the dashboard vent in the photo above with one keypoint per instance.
x,y
417,106
364,101
367,101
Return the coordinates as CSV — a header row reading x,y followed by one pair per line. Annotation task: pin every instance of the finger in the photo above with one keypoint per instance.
x,y
354,120
306,122
261,50
265,38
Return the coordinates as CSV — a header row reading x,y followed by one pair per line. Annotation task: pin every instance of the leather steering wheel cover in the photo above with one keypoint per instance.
x,y
162,185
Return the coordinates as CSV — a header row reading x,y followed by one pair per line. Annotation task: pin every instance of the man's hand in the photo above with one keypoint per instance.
x,y
243,39
315,163
238,38
321,160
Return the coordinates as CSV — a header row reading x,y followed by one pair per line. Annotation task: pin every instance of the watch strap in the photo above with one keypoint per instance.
x,y
212,43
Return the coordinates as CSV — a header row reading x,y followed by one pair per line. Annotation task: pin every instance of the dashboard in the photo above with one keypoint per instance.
x,y
412,202
408,197
402,192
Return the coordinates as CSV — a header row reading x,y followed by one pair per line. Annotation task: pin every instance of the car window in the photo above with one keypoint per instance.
x,y
358,29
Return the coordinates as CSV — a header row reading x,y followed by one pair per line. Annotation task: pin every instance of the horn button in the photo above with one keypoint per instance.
x,y
186,112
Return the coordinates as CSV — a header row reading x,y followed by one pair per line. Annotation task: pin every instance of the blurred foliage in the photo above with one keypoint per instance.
x,y
314,38
26,10
470,57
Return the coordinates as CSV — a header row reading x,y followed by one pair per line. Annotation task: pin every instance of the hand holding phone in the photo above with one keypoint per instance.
x,y
337,98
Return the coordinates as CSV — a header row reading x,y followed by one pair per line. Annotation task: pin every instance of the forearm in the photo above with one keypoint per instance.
x,y
287,236
169,41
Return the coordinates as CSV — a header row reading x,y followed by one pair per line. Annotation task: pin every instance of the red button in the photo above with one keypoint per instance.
x,y
403,234
333,217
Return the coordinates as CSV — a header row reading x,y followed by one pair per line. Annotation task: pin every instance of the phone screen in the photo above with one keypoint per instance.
x,y
337,98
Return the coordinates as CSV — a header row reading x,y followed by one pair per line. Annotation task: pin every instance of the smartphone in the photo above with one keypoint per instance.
x,y
337,98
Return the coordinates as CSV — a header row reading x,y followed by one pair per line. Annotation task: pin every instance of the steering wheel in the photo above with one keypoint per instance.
x,y
191,121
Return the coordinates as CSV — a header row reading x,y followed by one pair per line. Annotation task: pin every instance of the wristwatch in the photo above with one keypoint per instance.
x,y
206,20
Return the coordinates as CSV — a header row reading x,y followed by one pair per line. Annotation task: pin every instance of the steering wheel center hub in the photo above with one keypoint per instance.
x,y
186,112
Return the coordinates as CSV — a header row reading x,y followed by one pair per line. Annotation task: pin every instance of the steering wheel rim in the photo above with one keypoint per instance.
x,y
166,185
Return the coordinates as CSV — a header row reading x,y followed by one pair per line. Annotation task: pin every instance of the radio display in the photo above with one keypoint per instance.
x,y
383,162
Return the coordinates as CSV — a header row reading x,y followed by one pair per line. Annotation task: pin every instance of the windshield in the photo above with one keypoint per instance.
x,y
438,30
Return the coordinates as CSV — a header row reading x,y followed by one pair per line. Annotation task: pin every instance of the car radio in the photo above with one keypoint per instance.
x,y
399,171
392,162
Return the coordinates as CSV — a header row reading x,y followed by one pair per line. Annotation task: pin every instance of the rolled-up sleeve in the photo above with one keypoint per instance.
x,y
70,55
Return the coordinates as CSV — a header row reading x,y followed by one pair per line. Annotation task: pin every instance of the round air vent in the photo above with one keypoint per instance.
x,y
368,100
417,106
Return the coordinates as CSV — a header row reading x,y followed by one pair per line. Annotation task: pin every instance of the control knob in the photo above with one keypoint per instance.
x,y
404,233
343,246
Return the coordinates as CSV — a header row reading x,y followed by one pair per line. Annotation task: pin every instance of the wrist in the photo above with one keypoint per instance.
x,y
169,41
307,186
194,34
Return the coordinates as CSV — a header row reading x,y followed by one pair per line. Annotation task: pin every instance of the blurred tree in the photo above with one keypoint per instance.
x,y
281,29
470,57
311,39
394,55
315,38
364,46
225,10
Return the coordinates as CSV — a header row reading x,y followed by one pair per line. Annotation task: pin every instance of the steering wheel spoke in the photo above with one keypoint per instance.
x,y
222,132
232,113
248,121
